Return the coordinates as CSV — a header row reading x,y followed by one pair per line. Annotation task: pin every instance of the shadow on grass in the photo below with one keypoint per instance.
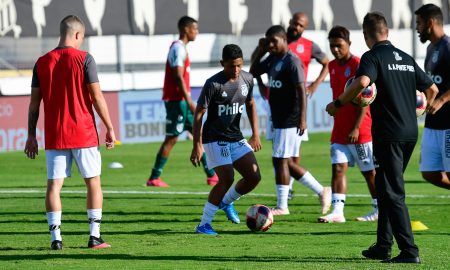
x,y
171,258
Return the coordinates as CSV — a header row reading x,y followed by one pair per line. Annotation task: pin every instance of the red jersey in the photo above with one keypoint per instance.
x,y
69,118
345,116
177,57
306,49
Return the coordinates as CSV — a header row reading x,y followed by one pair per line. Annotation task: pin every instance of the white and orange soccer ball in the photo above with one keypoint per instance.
x,y
421,103
366,96
259,218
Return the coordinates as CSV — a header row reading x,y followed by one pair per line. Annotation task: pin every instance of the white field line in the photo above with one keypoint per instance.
x,y
137,192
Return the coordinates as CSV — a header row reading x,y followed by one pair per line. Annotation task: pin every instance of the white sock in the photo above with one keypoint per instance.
x,y
54,223
282,196
375,204
338,202
310,182
208,213
95,218
231,196
291,182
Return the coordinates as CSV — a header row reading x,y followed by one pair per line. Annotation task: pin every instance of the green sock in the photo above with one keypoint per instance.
x,y
158,167
208,172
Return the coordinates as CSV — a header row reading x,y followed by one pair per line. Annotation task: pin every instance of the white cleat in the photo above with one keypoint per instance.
x,y
325,199
372,216
332,218
279,212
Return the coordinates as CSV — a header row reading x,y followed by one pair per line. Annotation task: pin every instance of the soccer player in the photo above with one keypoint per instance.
x,y
178,101
287,100
224,96
435,146
394,132
351,138
65,79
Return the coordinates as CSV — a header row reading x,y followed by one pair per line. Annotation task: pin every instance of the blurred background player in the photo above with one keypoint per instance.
x,y
394,130
66,80
351,138
435,146
178,101
287,100
224,96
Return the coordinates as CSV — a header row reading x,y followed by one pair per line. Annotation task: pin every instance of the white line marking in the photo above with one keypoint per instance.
x,y
150,192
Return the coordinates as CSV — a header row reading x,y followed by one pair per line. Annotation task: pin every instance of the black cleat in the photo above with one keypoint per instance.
x,y
56,245
375,252
95,242
402,259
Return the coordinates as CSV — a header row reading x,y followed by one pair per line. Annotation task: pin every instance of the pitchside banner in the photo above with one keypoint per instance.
x,y
148,17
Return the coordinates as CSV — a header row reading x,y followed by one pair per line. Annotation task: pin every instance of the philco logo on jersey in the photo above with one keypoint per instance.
x,y
230,110
275,83
435,78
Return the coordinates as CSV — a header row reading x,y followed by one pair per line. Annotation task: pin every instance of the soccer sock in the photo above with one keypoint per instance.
x,y
310,182
231,196
95,218
375,204
208,213
291,182
338,202
54,225
282,196
158,167
209,173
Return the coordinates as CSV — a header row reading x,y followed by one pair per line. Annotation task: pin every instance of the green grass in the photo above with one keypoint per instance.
x,y
152,230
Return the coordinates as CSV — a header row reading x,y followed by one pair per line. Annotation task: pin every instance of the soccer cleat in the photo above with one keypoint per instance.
x,y
95,242
291,194
205,229
279,212
212,180
375,252
56,245
332,218
325,199
372,216
156,183
230,211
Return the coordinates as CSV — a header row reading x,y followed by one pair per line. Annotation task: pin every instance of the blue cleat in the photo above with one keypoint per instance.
x,y
205,229
231,213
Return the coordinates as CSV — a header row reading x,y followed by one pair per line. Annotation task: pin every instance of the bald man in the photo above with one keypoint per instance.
x,y
66,80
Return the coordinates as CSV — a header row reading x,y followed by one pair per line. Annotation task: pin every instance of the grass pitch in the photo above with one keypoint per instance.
x,y
153,228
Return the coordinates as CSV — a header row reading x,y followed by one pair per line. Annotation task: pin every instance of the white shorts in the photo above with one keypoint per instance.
x,y
59,162
361,154
435,150
224,153
269,125
286,143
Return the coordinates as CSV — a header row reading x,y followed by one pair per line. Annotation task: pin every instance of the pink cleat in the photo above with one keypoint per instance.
x,y
213,180
156,183
279,212
325,199
332,218
98,243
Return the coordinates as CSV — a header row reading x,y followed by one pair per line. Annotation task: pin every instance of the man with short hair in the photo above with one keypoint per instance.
x,y
394,132
65,79
178,101
287,100
435,146
224,96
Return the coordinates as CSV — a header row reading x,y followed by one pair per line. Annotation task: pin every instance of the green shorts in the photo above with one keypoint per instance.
x,y
179,118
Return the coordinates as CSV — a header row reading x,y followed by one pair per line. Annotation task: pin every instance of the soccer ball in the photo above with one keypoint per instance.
x,y
259,218
366,96
421,103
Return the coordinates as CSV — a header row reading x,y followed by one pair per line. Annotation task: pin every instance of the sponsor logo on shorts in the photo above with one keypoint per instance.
x,y
225,151
222,143
361,152
447,143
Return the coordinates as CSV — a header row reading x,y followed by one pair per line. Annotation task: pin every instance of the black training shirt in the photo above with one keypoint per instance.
x,y
437,66
397,76
225,101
